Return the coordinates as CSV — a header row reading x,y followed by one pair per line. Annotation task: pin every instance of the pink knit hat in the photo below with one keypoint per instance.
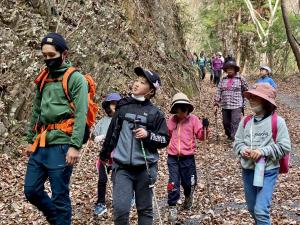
x,y
262,90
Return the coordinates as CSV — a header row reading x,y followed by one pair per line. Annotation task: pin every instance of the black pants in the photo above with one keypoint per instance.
x,y
102,182
202,72
211,75
231,120
181,170
217,76
125,182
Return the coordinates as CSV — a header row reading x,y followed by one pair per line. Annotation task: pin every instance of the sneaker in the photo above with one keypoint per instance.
x,y
100,209
172,214
188,202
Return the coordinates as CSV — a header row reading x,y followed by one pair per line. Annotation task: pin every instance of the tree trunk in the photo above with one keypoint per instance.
x,y
238,38
270,51
289,34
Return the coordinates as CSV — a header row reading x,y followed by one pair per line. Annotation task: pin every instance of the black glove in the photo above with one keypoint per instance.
x,y
205,122
103,156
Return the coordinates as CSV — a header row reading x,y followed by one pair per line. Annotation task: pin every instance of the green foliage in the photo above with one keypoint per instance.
x,y
207,25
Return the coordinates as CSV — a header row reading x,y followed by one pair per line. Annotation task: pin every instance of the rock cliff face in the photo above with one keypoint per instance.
x,y
106,38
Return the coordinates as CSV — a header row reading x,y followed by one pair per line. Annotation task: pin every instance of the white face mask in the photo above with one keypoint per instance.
x,y
140,98
257,109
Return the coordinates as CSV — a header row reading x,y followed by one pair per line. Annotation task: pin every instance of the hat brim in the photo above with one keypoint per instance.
x,y
237,68
141,72
247,95
189,105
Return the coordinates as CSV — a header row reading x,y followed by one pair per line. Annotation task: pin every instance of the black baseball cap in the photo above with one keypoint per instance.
x,y
151,76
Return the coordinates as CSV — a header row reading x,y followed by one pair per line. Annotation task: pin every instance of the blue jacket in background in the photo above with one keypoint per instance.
x,y
268,80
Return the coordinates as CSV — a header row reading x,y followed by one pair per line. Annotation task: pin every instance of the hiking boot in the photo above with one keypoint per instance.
x,y
100,209
188,202
172,214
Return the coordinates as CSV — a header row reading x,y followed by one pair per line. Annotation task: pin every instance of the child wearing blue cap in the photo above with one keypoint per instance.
x,y
265,73
109,105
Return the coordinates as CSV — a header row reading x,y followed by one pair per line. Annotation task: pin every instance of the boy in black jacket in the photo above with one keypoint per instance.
x,y
137,125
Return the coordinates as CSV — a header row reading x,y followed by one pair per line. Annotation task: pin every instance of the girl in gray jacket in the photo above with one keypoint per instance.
x,y
262,138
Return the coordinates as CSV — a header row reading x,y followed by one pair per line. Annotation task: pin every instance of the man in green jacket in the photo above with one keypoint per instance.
x,y
55,158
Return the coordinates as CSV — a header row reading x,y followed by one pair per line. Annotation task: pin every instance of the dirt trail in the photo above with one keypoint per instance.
x,y
224,174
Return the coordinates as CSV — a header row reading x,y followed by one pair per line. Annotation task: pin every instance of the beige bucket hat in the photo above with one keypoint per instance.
x,y
181,98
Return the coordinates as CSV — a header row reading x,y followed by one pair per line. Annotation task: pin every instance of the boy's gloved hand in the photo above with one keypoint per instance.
x,y
205,122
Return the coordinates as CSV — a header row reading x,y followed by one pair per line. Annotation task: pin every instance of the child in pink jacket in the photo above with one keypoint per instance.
x,y
184,128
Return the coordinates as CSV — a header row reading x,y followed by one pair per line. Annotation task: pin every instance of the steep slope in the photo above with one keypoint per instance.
x,y
106,38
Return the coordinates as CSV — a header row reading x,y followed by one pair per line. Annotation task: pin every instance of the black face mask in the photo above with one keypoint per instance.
x,y
54,64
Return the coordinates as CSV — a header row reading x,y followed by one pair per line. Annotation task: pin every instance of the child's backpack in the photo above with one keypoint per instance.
x,y
66,125
284,161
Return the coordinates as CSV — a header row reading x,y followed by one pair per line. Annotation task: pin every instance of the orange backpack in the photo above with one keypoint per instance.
x,y
66,125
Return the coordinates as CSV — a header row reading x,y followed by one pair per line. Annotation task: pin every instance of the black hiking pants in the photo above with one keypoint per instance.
x,y
217,76
231,120
181,170
202,72
102,182
126,181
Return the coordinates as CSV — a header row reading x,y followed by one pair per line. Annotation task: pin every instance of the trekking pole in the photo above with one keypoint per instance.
x,y
79,163
217,128
108,180
207,176
151,183
149,175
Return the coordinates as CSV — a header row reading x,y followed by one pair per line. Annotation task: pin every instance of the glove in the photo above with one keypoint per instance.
x,y
103,156
205,122
99,139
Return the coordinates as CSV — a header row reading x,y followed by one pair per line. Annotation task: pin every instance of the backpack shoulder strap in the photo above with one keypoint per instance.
x,y
246,120
65,80
274,126
41,78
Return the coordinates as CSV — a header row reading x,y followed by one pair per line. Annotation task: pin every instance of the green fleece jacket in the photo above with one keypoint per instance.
x,y
52,106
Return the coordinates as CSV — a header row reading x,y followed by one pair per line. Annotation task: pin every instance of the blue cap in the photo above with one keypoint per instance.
x,y
266,68
112,97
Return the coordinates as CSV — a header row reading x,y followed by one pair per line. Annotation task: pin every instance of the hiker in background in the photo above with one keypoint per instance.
x,y
184,128
190,57
261,141
53,150
136,131
229,58
209,63
229,98
202,63
109,105
221,57
265,73
217,65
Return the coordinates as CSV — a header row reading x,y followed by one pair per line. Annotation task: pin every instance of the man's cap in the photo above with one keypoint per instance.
x,y
56,40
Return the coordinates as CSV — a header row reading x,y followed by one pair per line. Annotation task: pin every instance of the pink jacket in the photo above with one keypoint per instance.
x,y
183,135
